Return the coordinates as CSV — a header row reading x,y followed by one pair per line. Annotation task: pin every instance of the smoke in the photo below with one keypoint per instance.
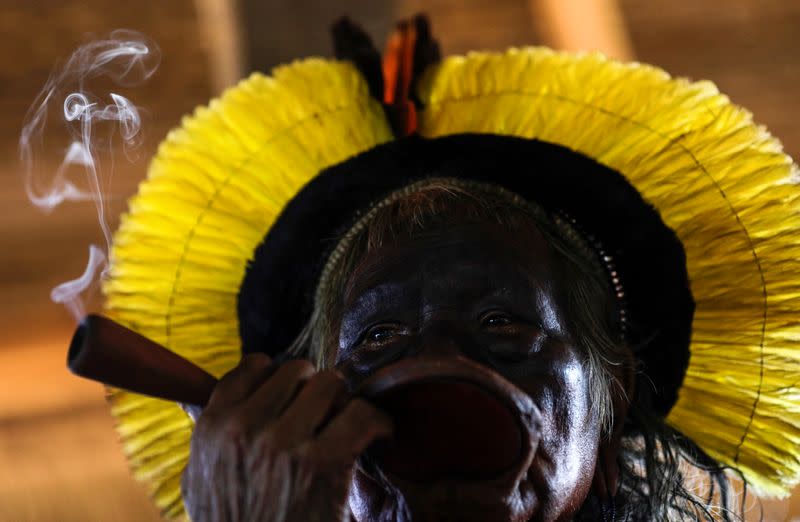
x,y
86,127
68,293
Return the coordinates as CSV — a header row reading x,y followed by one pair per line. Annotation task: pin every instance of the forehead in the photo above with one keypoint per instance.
x,y
443,260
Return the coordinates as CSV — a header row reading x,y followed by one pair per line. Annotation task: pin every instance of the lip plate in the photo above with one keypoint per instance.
x,y
422,457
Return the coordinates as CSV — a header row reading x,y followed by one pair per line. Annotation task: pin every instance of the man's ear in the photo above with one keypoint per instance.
x,y
606,471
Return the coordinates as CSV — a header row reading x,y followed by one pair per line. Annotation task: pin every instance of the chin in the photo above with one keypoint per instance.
x,y
382,496
470,500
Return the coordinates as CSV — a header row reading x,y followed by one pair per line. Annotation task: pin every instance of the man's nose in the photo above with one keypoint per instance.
x,y
442,337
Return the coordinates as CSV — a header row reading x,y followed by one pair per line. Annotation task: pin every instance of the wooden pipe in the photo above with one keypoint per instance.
x,y
107,352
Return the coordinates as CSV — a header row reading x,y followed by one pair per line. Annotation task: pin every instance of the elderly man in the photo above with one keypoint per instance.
x,y
504,386
527,286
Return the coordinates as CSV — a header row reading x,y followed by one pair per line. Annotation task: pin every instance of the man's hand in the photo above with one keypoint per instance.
x,y
277,445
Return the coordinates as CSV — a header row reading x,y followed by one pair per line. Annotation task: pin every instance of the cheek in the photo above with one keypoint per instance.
x,y
361,364
567,454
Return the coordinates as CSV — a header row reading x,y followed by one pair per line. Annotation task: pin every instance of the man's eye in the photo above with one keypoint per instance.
x,y
496,319
381,333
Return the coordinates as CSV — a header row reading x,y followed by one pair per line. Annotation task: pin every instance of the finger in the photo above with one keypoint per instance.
x,y
239,383
272,397
350,432
315,403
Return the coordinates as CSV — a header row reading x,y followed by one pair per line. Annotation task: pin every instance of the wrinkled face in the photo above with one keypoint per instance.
x,y
475,292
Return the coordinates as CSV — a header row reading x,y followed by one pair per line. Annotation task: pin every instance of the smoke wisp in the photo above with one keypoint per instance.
x,y
84,125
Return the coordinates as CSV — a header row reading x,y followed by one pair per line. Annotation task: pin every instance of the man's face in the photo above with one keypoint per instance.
x,y
476,292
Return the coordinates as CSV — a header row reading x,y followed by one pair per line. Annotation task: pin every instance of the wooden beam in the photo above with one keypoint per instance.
x,y
221,31
583,25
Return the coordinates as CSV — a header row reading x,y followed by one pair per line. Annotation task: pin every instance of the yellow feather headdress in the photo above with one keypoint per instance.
x,y
722,183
